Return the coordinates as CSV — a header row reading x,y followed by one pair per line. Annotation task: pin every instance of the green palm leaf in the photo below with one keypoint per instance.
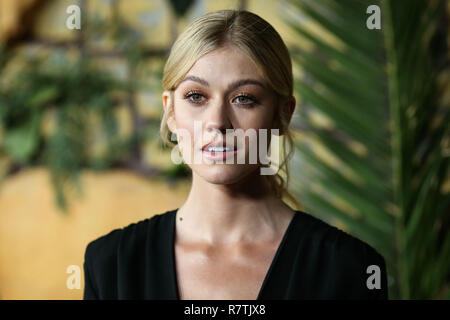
x,y
378,168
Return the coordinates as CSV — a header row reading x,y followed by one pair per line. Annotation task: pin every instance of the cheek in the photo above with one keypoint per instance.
x,y
260,125
260,118
184,125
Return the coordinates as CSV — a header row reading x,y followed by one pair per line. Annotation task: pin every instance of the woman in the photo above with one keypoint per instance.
x,y
234,237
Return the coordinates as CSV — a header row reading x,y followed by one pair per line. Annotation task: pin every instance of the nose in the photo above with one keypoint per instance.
x,y
217,118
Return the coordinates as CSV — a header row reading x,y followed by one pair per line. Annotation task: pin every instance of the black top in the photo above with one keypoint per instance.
x,y
313,261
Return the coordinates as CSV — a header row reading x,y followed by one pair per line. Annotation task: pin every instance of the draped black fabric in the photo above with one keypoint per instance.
x,y
313,261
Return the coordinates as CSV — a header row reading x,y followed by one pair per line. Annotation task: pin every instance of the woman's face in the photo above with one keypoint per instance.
x,y
223,90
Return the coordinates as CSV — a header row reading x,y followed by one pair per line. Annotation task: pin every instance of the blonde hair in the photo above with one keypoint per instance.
x,y
263,45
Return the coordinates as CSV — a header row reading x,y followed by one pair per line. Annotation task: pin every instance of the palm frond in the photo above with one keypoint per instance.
x,y
378,168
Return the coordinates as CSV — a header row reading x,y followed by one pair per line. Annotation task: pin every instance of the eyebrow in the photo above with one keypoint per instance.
x,y
231,86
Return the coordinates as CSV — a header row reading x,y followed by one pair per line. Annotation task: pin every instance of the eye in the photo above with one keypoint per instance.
x,y
194,97
245,99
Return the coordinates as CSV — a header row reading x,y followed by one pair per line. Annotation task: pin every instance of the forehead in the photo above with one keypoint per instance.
x,y
224,65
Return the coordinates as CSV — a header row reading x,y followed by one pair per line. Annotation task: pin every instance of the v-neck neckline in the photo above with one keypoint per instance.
x,y
269,271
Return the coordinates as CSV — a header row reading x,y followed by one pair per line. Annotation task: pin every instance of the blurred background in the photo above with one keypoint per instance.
x,y
80,152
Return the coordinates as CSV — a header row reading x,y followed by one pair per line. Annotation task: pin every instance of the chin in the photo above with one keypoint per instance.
x,y
223,173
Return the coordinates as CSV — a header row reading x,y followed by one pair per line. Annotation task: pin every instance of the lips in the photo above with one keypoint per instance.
x,y
218,144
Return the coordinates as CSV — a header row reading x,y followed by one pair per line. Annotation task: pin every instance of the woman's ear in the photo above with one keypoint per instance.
x,y
167,101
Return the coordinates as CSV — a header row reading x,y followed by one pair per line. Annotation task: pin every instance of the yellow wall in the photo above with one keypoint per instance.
x,y
38,242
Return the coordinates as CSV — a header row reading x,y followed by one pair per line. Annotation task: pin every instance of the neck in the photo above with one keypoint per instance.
x,y
231,213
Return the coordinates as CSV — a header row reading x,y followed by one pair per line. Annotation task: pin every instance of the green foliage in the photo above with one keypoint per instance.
x,y
176,171
67,92
379,91
21,142
180,7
